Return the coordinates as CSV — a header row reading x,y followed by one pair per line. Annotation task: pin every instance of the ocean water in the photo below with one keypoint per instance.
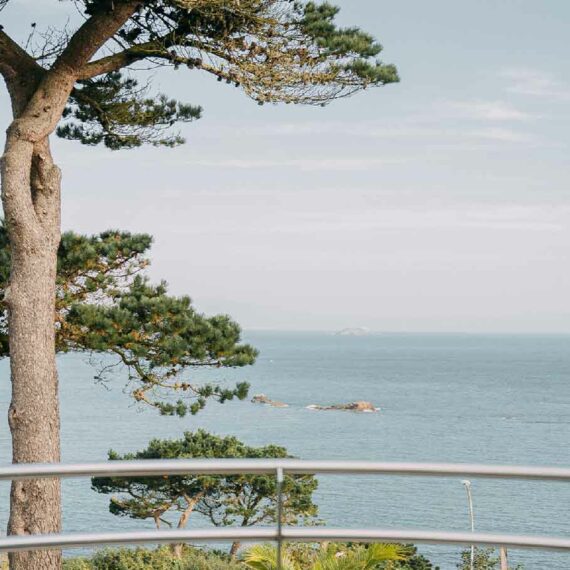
x,y
459,398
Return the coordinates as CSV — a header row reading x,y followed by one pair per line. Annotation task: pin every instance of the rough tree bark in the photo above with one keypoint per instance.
x,y
183,521
31,200
235,549
237,545
34,409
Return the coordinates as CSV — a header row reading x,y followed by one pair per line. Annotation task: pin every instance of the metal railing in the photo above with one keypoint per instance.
x,y
279,534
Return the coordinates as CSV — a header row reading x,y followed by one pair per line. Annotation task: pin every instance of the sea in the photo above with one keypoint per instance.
x,y
465,398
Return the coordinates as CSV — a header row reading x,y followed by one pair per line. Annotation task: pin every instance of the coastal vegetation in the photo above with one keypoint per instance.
x,y
331,557
244,500
87,80
153,559
70,80
106,305
483,559
261,557
101,285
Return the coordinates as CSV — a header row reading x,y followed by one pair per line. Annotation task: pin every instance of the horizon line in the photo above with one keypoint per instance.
x,y
372,332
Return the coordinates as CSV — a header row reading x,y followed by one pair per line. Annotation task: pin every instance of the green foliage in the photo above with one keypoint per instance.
x,y
146,559
302,556
274,50
158,337
105,305
264,557
414,561
318,24
485,559
245,500
333,557
91,268
260,557
119,113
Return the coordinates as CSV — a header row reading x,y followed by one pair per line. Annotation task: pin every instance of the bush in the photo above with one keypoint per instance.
x,y
414,562
77,564
147,559
484,559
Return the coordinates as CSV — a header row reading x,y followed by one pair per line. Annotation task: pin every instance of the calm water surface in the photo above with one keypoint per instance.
x,y
462,398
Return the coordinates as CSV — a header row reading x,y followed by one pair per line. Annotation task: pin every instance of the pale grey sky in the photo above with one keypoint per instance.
x,y
441,203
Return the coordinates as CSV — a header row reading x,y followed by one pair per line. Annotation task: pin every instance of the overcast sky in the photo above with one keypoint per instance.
x,y
438,204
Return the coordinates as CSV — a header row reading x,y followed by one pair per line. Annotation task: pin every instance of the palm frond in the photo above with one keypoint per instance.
x,y
339,557
264,557
334,557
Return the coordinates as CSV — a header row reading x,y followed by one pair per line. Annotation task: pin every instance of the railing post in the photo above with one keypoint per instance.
x,y
504,558
467,485
280,479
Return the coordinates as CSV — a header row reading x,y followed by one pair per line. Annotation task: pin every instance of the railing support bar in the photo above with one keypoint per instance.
x,y
289,534
280,479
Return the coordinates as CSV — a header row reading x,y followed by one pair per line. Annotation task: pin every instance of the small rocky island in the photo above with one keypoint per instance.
x,y
263,399
358,406
353,331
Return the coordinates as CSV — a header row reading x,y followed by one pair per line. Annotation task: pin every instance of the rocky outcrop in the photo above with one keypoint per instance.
x,y
358,406
263,399
353,331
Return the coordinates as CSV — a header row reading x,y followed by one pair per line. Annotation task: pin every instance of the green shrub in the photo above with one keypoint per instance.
x,y
414,562
484,559
77,564
147,559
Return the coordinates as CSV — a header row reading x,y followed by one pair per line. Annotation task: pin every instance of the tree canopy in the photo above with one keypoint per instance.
x,y
78,78
245,500
276,51
106,305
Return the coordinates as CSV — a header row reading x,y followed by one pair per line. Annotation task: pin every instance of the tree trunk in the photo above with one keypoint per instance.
x,y
237,545
234,549
177,550
182,522
31,200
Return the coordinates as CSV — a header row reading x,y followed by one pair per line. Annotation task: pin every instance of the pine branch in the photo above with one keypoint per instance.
x,y
111,63
14,60
93,35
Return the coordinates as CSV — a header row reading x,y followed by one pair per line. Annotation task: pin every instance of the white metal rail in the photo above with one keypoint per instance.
x,y
270,466
279,534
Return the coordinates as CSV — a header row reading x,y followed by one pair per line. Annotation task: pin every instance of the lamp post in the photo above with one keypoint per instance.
x,y
467,485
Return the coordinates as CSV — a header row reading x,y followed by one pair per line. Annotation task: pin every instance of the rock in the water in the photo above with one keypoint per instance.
x,y
358,406
353,331
361,406
263,399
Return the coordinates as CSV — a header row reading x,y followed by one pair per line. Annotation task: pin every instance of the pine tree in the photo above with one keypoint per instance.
x,y
245,500
106,305
79,82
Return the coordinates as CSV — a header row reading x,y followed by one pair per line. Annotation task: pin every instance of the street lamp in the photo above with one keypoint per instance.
x,y
467,485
